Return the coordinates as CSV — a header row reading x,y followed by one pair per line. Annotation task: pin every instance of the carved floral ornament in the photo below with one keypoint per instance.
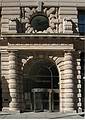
x,y
48,15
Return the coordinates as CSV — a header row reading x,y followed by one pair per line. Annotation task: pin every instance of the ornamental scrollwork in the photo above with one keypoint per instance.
x,y
23,24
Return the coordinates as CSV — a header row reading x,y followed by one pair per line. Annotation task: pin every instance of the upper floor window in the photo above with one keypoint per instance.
x,y
81,21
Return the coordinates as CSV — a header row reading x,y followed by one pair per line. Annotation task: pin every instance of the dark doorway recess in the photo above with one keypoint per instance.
x,y
41,85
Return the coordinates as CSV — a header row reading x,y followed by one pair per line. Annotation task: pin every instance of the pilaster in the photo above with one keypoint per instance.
x,y
4,79
15,83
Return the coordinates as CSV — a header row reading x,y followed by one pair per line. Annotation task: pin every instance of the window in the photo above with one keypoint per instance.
x,y
81,21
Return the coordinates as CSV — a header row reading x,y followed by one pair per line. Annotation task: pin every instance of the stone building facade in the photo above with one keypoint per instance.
x,y
43,32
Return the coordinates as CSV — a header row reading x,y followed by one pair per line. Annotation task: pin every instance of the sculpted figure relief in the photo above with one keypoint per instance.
x,y
51,13
45,22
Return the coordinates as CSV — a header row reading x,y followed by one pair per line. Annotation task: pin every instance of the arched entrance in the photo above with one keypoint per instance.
x,y
41,85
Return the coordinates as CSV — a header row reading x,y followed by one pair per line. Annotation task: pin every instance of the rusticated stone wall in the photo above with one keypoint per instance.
x,y
62,19
69,80
5,78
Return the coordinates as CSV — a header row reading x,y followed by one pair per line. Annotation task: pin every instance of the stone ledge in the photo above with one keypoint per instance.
x,y
6,35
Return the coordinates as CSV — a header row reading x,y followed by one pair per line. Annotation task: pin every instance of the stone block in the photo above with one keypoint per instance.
x,y
67,90
66,85
79,72
64,3
68,80
10,16
17,91
14,100
4,21
79,86
4,67
12,28
67,28
68,109
4,30
14,105
79,104
12,31
9,4
68,71
78,76
17,12
78,67
50,11
79,81
4,27
67,95
68,100
10,9
68,66
68,12
79,95
68,105
79,90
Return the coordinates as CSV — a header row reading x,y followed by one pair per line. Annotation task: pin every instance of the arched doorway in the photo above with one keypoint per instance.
x,y
41,85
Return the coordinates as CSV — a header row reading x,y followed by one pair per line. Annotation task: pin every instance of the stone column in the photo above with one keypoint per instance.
x,y
14,83
68,104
